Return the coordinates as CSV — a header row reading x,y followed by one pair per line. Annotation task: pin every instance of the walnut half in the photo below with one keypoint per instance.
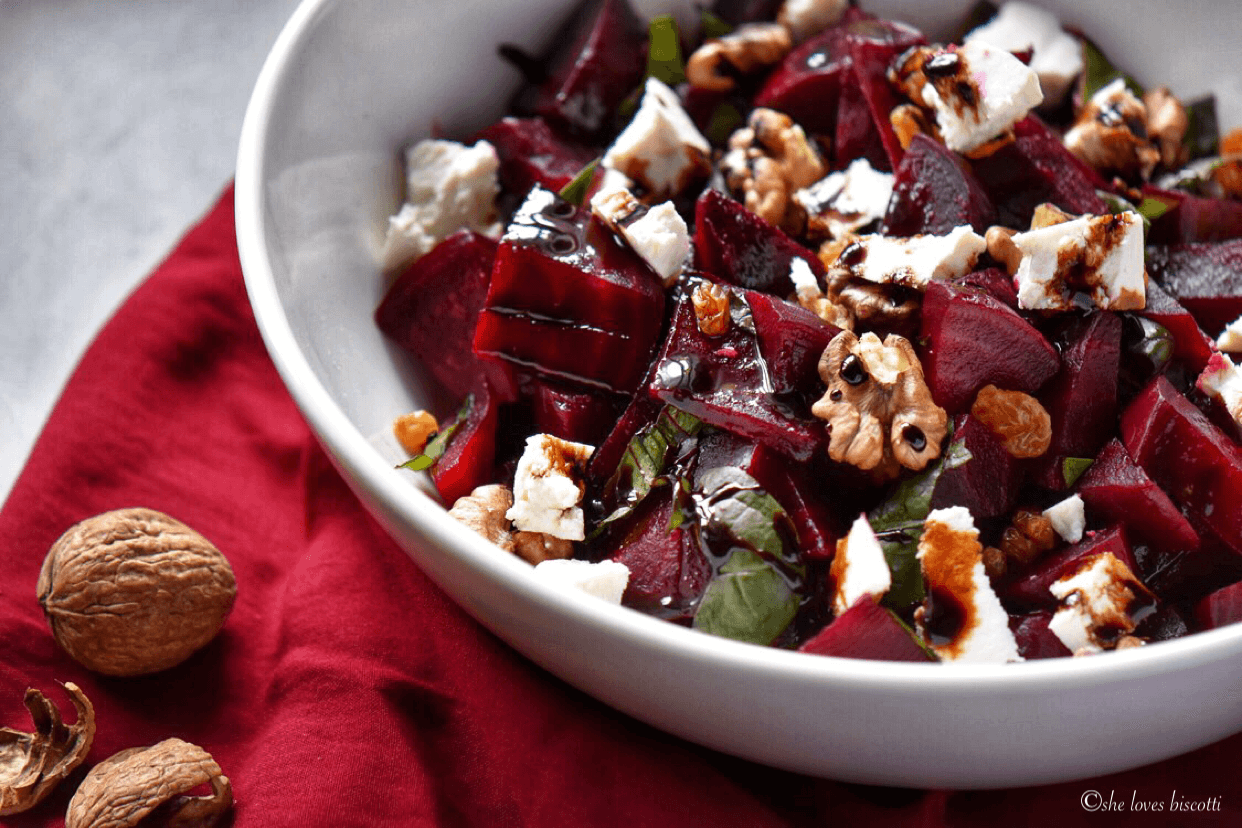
x,y
32,764
879,410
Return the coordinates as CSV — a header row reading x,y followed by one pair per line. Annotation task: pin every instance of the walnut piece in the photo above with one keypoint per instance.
x,y
711,308
1167,124
1111,134
769,160
879,410
483,510
134,591
32,764
716,65
414,430
125,788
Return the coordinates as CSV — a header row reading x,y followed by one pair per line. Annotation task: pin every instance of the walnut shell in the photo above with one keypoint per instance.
x,y
32,764
125,788
134,591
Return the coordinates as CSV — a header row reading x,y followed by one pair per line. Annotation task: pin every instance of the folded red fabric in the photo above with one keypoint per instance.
x,y
346,689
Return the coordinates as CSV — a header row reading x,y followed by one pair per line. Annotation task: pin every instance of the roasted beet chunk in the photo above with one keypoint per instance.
x,y
532,153
1028,589
1206,279
935,191
432,308
1190,344
736,246
867,630
1193,218
726,381
586,83
988,482
568,301
469,458
972,339
1034,169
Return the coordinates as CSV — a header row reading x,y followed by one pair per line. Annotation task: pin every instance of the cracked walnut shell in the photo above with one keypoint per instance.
x,y
32,764
125,788
134,591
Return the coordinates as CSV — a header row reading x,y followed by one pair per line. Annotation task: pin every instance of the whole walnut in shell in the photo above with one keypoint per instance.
x,y
134,591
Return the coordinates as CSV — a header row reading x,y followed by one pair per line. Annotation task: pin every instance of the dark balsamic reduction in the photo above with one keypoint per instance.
x,y
944,617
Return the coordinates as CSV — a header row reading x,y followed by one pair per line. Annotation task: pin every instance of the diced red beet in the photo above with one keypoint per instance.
x,y
734,245
469,459
571,413
872,52
1034,169
721,380
668,569
791,340
1164,624
935,190
604,63
993,281
531,153
1205,278
1029,590
568,300
1224,606
857,135
867,630
972,339
1082,397
1034,638
1193,218
1115,489
1195,462
817,525
1190,344
641,410
988,483
432,308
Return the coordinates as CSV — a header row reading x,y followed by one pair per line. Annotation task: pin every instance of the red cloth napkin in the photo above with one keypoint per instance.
x,y
346,689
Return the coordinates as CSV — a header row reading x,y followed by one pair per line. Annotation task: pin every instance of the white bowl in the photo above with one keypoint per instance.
x,y
346,86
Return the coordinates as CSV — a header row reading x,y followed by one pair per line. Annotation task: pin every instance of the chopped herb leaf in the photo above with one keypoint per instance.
x,y
664,60
437,445
724,120
898,524
575,191
418,462
1072,468
747,601
1203,132
713,26
647,457
1100,72
734,502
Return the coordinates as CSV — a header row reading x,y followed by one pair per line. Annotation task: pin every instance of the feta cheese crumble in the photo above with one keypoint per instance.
x,y
661,149
913,261
962,619
1101,601
1222,381
1098,256
449,186
548,488
1230,339
845,201
979,95
605,579
1056,56
1068,518
804,18
658,234
859,567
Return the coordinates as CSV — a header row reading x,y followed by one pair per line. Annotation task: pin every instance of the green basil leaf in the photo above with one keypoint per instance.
x,y
575,191
747,601
647,457
1099,72
1072,468
419,462
898,524
1203,132
713,26
664,61
735,505
724,120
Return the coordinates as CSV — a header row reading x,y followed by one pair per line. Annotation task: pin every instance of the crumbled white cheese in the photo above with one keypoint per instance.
x,y
850,199
804,18
659,234
449,187
952,562
1098,596
606,579
1005,90
802,276
1230,339
916,260
1068,517
1222,380
661,148
547,487
859,567
1056,55
1103,254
